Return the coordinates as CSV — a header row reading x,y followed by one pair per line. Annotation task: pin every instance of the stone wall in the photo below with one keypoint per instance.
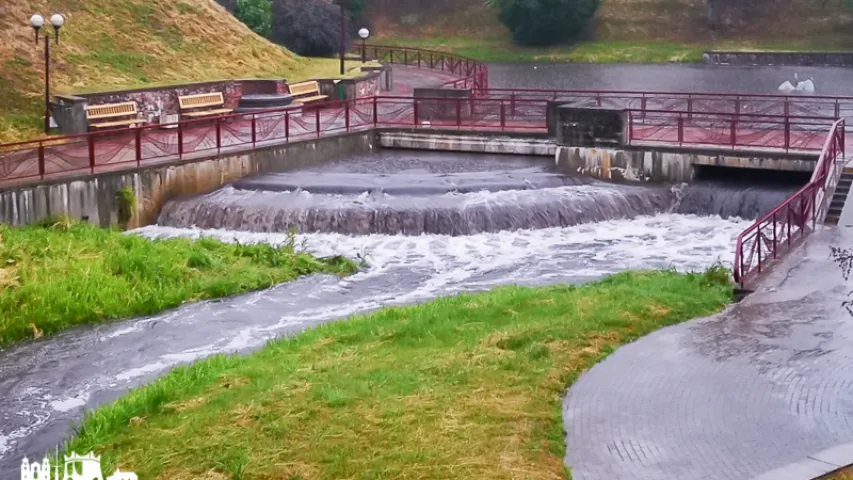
x,y
831,59
667,165
151,102
93,197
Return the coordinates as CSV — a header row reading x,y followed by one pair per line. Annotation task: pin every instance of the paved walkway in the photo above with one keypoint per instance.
x,y
763,384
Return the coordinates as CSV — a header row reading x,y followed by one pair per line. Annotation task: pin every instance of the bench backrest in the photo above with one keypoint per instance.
x,y
110,110
304,88
201,100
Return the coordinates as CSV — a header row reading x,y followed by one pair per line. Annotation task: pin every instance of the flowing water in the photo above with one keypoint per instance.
x,y
427,224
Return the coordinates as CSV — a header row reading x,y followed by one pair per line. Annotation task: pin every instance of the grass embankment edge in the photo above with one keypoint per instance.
x,y
59,274
502,50
468,386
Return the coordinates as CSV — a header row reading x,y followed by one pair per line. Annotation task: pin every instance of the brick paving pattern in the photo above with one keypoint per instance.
x,y
763,384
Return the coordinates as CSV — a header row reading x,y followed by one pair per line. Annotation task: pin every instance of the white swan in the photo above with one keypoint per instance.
x,y
787,87
806,86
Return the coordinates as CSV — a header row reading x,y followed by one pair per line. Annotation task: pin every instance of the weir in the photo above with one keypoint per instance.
x,y
412,192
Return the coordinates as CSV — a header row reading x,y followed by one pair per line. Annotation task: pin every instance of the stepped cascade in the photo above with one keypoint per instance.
x,y
415,193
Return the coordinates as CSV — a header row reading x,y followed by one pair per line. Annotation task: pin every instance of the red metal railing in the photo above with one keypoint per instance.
x,y
472,73
743,130
779,230
812,105
106,151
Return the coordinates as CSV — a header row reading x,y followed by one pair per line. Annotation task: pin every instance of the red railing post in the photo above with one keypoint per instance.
x,y
91,140
503,116
317,121
690,107
643,104
218,135
733,134
788,222
138,143
775,246
375,111
680,129
787,132
254,130
512,104
405,57
180,140
431,61
737,105
416,113
41,160
837,109
419,59
286,126
631,126
758,250
458,113
346,115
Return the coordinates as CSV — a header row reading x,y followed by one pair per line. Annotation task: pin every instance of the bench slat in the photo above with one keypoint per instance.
x,y
111,110
312,99
201,100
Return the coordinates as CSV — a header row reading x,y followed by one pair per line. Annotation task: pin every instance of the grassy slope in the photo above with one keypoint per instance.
x,y
461,387
62,275
623,31
111,44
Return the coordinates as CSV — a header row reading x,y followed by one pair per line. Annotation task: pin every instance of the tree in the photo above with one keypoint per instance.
x,y
308,27
257,15
544,22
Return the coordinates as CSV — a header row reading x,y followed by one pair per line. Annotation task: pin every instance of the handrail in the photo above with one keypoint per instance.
x,y
475,74
781,228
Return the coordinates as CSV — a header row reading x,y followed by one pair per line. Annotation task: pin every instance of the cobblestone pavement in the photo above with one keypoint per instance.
x,y
760,385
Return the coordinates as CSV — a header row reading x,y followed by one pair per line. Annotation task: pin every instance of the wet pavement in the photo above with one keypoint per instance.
x,y
763,384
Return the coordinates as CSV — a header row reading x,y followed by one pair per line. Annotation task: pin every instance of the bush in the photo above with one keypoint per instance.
x,y
256,14
307,27
545,22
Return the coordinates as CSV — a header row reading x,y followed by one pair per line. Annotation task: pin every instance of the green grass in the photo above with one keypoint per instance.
x,y
60,274
461,387
502,50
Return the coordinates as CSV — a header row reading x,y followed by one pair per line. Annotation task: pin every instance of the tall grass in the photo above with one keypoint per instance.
x,y
59,274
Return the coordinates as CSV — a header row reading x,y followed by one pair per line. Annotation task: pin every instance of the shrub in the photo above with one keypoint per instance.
x,y
256,14
307,27
544,22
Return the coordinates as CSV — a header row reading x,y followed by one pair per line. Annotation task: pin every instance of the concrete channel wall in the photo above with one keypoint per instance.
x,y
94,197
669,165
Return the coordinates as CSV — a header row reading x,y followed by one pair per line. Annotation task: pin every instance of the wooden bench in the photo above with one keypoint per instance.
x,y
203,100
111,112
306,92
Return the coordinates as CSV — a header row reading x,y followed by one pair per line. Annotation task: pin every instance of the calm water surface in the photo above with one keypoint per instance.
x,y
669,78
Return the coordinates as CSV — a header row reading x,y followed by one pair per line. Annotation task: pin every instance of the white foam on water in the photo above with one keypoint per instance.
x,y
684,242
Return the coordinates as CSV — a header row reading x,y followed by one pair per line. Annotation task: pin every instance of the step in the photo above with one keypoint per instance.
x,y
836,205
831,219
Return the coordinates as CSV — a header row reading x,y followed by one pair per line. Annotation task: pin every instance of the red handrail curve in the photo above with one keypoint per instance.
x,y
783,227
474,73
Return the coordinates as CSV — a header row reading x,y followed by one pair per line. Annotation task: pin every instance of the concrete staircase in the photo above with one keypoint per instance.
x,y
840,197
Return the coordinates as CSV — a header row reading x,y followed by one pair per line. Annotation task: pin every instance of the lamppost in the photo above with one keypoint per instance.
x,y
363,33
343,4
37,21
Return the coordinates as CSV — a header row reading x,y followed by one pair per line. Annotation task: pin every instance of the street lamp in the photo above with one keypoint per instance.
x,y
37,21
343,4
363,33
